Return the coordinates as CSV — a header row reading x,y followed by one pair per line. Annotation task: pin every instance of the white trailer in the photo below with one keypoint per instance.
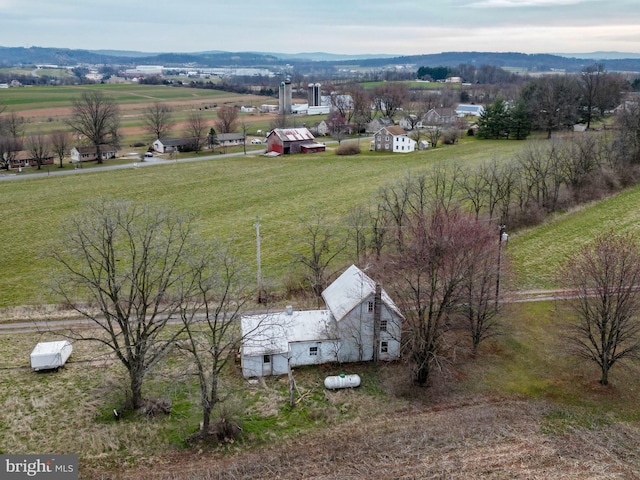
x,y
50,355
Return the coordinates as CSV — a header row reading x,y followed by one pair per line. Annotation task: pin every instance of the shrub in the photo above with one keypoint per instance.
x,y
348,148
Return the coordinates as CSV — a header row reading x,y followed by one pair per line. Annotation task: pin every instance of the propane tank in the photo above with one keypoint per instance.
x,y
342,381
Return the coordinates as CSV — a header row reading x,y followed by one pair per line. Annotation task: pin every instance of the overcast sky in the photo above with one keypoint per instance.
x,y
400,27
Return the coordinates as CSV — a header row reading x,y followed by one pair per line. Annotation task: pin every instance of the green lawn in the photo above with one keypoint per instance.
x,y
227,194
539,253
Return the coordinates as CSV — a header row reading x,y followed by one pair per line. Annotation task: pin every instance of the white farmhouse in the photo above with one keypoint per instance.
x,y
361,323
393,139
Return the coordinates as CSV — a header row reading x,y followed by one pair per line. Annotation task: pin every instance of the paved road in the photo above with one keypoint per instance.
x,y
53,171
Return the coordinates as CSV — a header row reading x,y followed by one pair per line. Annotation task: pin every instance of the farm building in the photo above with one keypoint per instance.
x,y
463,110
393,139
292,140
360,323
87,154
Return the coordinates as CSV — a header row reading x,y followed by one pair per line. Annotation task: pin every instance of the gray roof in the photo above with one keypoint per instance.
x,y
349,290
229,136
272,333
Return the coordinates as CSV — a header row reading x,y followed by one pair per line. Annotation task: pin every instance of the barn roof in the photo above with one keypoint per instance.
x,y
293,134
349,290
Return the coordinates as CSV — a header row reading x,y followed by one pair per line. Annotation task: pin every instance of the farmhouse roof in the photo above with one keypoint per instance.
x,y
272,333
92,149
395,130
349,290
223,137
175,142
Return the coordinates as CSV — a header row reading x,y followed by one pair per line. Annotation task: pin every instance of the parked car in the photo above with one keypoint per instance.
x,y
256,141
148,154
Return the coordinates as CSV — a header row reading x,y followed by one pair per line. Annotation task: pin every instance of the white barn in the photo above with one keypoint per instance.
x,y
351,329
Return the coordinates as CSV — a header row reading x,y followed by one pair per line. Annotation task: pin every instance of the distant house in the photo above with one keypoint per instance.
x,y
393,139
409,122
24,158
322,128
360,323
168,145
463,110
284,141
440,116
230,139
378,123
88,154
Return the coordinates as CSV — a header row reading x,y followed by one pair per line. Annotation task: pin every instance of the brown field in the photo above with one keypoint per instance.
x,y
48,119
486,437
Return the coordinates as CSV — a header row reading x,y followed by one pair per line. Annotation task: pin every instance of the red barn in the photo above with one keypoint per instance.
x,y
292,140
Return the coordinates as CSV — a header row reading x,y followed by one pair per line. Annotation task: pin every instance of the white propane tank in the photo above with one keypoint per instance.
x,y
342,381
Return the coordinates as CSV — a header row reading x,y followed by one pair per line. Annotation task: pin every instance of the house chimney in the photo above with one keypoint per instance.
x,y
377,314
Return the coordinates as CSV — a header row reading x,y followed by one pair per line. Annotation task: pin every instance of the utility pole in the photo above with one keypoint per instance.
x,y
502,237
259,261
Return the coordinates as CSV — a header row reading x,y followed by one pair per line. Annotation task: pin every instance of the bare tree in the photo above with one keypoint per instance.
x,y
196,128
227,120
604,277
362,113
60,144
16,126
479,287
97,117
322,246
210,318
434,133
389,98
123,266
158,119
357,221
38,146
552,102
427,279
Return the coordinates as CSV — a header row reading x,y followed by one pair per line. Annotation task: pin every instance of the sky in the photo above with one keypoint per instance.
x,y
396,27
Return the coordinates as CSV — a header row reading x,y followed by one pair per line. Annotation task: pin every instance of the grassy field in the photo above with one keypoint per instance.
x,y
227,194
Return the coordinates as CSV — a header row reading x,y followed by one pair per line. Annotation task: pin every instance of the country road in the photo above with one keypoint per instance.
x,y
41,324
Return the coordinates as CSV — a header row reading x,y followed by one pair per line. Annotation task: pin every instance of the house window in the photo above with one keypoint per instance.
x,y
384,347
383,325
313,351
370,307
386,146
266,359
386,139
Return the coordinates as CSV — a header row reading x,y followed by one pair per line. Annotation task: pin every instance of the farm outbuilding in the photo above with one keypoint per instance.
x,y
360,323
292,140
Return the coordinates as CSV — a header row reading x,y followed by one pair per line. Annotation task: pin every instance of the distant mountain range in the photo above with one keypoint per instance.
x,y
613,61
